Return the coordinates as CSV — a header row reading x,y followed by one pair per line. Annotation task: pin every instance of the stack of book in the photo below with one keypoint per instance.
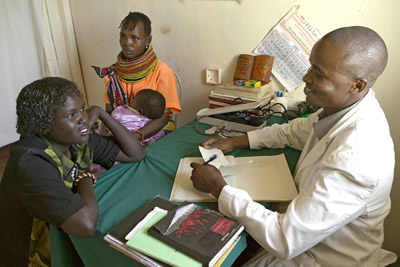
x,y
116,236
230,94
248,68
161,233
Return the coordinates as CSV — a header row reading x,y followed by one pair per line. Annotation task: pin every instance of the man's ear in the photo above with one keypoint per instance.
x,y
359,86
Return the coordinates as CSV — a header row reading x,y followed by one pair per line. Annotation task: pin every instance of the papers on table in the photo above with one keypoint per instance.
x,y
265,178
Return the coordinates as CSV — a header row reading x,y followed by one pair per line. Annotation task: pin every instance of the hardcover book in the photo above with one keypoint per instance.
x,y
255,93
268,95
250,67
254,90
200,233
227,100
217,102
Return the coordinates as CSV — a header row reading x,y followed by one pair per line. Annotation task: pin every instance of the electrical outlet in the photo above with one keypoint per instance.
x,y
214,76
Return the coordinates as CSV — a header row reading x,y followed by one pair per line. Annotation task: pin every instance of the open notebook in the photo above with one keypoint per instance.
x,y
265,178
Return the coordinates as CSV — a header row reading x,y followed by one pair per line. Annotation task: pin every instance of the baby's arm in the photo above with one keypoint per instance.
x,y
153,127
131,149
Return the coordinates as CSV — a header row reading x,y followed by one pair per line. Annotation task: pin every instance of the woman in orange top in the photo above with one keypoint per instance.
x,y
137,68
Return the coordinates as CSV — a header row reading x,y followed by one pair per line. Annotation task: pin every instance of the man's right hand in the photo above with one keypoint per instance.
x,y
207,178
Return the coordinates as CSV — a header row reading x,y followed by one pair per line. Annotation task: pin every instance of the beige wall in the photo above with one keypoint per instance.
x,y
191,35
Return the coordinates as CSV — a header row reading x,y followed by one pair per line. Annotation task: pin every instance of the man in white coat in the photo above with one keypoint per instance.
x,y
344,174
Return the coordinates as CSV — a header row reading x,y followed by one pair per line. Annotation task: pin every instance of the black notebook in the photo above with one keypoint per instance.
x,y
200,233
116,236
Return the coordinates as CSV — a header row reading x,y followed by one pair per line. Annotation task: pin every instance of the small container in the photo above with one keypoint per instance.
x,y
252,83
240,82
281,99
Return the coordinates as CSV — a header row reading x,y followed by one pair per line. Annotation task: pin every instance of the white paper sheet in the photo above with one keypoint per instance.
x,y
208,153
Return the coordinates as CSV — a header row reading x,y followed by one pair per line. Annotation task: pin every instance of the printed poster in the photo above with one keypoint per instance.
x,y
290,43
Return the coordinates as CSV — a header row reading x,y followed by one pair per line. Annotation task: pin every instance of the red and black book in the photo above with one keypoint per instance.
x,y
200,233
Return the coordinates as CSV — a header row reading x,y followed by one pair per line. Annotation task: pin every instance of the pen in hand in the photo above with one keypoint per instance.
x,y
211,159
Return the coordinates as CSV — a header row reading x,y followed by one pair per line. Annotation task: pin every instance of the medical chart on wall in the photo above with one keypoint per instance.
x,y
290,43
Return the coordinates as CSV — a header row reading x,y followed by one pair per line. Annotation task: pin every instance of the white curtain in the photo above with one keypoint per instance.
x,y
37,40
21,55
59,44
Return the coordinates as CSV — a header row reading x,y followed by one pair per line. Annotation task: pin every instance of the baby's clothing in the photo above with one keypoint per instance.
x,y
134,121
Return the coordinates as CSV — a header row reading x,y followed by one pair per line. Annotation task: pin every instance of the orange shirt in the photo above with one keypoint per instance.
x,y
161,79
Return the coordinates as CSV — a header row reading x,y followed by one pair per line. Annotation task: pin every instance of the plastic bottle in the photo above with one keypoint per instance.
x,y
280,98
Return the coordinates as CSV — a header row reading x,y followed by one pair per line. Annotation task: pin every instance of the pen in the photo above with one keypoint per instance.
x,y
211,159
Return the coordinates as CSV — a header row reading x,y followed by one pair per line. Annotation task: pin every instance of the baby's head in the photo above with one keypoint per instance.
x,y
149,103
37,103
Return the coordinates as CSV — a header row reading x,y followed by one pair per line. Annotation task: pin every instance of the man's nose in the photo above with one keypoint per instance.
x,y
307,76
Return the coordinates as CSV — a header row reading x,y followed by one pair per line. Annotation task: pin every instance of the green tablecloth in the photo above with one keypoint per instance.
x,y
128,186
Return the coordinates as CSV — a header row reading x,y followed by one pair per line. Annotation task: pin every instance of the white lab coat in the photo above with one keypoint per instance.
x,y
344,181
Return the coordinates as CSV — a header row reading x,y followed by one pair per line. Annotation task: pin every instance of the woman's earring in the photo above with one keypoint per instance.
x,y
147,47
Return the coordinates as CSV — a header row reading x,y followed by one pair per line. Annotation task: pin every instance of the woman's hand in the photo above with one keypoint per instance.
x,y
93,115
97,174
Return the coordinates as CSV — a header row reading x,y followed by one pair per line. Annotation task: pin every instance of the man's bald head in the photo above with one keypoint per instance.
x,y
364,51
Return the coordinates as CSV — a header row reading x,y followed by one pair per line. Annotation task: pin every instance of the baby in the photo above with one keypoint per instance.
x,y
146,106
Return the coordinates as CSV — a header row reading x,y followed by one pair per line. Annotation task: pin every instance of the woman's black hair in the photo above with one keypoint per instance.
x,y
133,18
37,103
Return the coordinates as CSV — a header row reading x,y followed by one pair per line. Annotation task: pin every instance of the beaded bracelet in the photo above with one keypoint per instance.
x,y
84,175
141,135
